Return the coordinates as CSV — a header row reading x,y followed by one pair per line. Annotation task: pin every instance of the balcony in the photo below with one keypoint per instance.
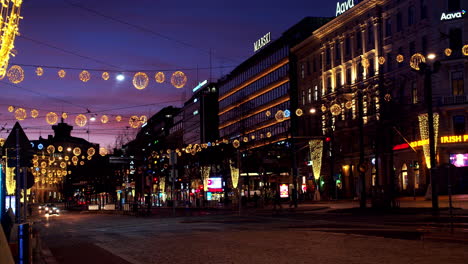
x,y
452,100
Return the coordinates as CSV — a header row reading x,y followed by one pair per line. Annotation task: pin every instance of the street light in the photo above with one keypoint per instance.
x,y
120,77
313,110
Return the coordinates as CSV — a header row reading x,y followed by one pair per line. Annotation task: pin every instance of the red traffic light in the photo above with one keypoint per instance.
x,y
155,179
328,139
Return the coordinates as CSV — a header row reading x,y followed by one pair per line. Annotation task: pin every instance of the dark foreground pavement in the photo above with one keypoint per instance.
x,y
308,235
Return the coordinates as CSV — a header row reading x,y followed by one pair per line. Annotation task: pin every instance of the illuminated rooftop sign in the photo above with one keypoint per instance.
x,y
262,41
200,85
451,16
343,7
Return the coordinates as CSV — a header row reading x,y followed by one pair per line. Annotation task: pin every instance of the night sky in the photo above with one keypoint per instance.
x,y
160,35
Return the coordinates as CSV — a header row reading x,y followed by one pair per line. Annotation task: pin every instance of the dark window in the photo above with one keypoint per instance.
x,y
424,45
348,76
308,67
370,37
360,71
412,48
400,52
458,83
338,52
411,15
314,64
399,22
388,27
347,43
329,84
455,38
371,68
359,40
389,62
327,57
338,79
423,9
414,93
320,63
459,125
453,5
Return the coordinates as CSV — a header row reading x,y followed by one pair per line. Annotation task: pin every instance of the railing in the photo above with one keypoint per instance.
x,y
452,100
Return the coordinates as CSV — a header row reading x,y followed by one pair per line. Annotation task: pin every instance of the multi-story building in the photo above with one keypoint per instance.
x,y
255,98
358,89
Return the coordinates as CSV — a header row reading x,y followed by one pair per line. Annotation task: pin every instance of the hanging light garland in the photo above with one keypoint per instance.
x,y
178,79
416,60
105,76
316,152
118,118
81,120
400,58
62,73
15,74
64,115
103,151
234,176
20,114
11,109
134,121
104,119
91,151
77,151
9,29
160,77
143,119
424,133
140,80
39,71
51,118
85,76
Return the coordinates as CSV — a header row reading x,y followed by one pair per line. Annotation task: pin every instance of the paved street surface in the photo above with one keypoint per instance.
x,y
308,235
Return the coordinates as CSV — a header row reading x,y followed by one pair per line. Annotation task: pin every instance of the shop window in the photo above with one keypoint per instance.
x,y
404,177
416,175
459,125
457,83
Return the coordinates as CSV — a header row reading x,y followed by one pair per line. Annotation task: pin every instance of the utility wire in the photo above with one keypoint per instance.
x,y
141,28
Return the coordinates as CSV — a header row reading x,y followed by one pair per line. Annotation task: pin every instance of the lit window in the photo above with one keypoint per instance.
x,y
458,83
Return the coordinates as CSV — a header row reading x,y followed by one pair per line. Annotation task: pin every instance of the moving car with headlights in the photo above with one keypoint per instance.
x,y
51,209
41,207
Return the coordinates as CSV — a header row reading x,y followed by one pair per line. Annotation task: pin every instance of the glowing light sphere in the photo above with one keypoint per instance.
x,y
63,164
268,134
245,139
323,108
74,159
39,71
104,119
67,158
20,114
85,76
60,148
178,79
416,60
335,109
400,58
43,164
279,116
11,109
299,112
2,142
50,149
81,120
77,151
448,52
143,119
34,113
118,118
15,74
51,118
388,97
236,143
268,113
382,60
349,104
62,73
64,115
81,163
134,121
91,151
89,158
103,151
140,80
105,76
160,77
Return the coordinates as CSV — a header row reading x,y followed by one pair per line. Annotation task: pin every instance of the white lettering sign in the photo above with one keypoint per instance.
x,y
451,16
343,7
262,42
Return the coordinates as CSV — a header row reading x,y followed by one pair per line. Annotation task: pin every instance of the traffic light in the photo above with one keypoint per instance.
x,y
327,139
155,179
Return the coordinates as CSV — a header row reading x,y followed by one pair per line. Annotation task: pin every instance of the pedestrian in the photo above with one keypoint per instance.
x,y
255,198
293,198
277,201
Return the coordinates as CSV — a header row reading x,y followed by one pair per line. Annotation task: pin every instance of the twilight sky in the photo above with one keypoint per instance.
x,y
160,36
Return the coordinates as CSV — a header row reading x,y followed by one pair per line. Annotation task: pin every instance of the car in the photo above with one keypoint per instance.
x,y
41,207
51,209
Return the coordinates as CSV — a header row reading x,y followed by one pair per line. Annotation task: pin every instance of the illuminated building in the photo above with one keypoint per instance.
x,y
362,57
260,85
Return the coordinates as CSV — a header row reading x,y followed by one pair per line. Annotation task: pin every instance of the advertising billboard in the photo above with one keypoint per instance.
x,y
215,184
459,160
284,191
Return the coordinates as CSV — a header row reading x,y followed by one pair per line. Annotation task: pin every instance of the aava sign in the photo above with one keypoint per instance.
x,y
343,7
451,16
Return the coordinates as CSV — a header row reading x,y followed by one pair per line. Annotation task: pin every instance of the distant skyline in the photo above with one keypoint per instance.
x,y
158,36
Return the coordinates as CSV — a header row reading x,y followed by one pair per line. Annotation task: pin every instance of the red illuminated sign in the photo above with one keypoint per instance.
x,y
401,146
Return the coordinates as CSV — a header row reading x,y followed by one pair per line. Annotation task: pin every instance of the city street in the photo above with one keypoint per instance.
x,y
258,236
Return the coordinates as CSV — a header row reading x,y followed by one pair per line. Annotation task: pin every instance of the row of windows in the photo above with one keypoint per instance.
x,y
277,129
257,102
253,121
256,69
409,21
274,76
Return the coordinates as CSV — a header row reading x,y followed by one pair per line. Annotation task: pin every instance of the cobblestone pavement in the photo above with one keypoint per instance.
x,y
285,238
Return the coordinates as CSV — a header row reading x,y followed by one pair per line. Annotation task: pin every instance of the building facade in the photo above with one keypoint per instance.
x,y
358,89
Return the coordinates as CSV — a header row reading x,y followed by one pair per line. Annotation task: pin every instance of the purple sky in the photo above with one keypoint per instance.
x,y
228,29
